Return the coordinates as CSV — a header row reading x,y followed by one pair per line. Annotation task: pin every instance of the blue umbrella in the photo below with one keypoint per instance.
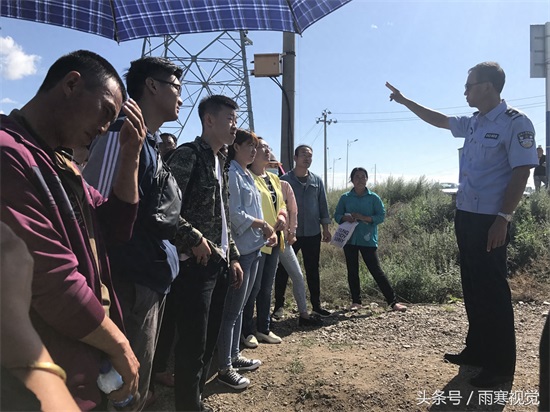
x,y
123,20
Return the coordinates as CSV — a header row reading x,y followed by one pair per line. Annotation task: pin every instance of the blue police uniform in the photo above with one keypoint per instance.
x,y
495,144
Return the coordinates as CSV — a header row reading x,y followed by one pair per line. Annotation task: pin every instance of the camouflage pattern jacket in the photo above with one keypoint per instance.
x,y
193,165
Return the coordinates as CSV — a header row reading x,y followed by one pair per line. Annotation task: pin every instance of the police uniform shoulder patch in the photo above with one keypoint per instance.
x,y
526,139
513,113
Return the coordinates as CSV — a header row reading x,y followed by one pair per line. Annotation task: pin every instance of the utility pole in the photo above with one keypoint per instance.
x,y
333,163
347,156
540,67
289,93
325,122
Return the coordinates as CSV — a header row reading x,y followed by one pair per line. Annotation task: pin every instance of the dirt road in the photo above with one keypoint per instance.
x,y
379,361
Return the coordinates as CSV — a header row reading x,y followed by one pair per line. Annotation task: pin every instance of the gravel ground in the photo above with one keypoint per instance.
x,y
375,360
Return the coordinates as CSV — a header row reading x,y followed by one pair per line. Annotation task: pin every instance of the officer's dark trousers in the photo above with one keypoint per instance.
x,y
200,294
487,297
311,252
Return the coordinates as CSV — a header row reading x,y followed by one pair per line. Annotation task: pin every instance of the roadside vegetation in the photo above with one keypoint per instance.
x,y
418,250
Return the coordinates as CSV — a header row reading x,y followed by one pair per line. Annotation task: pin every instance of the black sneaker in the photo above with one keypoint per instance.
x,y
461,359
322,312
245,364
311,321
232,379
278,314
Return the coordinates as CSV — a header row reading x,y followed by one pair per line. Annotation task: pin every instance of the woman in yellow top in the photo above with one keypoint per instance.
x,y
274,211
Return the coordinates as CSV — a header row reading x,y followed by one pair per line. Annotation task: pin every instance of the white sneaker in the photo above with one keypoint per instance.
x,y
250,341
269,338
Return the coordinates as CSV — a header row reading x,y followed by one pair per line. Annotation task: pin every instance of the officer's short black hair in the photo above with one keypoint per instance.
x,y
490,72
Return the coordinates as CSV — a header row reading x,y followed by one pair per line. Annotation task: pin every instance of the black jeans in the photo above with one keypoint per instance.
x,y
311,252
491,338
200,293
370,257
166,336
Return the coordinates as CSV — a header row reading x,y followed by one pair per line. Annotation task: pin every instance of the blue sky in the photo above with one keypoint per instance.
x,y
424,48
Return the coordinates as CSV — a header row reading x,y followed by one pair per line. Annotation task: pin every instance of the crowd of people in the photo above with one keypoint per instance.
x,y
144,246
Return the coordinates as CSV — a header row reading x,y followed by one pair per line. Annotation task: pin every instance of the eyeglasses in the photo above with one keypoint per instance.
x,y
468,86
174,85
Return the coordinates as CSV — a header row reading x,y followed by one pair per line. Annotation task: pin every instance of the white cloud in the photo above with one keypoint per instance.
x,y
373,26
7,100
14,62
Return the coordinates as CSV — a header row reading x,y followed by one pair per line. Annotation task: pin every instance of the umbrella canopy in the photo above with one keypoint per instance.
x,y
123,20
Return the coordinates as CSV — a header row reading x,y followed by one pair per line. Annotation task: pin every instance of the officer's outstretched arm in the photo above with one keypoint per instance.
x,y
430,116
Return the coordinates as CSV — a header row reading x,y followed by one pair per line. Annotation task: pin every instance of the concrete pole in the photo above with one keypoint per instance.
x,y
547,61
325,122
325,181
289,92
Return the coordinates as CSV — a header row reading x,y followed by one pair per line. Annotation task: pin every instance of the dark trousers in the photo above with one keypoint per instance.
x,y
370,257
167,335
487,298
200,293
142,311
311,252
544,383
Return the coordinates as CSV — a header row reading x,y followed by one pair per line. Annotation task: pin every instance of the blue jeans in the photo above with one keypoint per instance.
x,y
232,318
290,263
261,295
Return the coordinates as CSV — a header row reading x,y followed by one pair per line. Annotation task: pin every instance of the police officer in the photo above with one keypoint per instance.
x,y
499,151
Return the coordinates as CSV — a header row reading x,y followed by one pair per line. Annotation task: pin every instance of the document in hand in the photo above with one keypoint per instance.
x,y
343,233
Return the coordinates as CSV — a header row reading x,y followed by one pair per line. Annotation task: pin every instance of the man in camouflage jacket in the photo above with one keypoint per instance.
x,y
207,251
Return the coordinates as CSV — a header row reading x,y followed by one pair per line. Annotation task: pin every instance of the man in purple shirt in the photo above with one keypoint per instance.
x,y
66,224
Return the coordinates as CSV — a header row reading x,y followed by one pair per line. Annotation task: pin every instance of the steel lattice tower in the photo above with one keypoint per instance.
x,y
217,68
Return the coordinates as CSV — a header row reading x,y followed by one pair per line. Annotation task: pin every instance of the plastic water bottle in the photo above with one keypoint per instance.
x,y
109,380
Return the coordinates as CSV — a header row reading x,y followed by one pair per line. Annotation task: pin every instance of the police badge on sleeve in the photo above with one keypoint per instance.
x,y
526,139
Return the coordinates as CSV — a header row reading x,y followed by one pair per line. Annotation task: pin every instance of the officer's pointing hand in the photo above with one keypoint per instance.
x,y
395,94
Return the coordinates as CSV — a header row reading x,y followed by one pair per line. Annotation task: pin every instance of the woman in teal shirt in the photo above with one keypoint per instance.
x,y
363,206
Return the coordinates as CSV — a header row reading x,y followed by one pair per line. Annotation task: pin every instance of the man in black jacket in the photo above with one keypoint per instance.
x,y
143,268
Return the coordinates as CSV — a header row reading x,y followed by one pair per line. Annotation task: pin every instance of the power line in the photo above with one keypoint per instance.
x,y
441,108
415,118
